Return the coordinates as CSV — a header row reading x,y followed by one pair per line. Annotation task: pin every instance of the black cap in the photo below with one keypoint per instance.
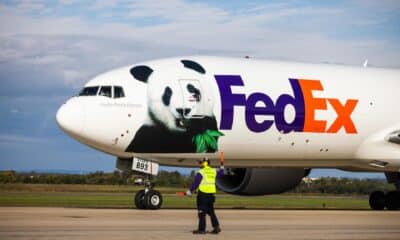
x,y
205,159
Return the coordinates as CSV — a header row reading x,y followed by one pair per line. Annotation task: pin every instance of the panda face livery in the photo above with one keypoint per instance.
x,y
180,109
173,102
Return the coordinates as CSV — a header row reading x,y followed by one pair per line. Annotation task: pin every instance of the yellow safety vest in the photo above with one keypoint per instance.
x,y
207,184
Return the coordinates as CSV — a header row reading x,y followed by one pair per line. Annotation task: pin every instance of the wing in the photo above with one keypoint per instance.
x,y
381,151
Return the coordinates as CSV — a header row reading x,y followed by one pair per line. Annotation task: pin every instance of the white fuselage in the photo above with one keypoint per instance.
x,y
337,117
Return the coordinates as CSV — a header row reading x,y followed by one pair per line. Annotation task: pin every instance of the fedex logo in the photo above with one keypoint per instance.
x,y
303,101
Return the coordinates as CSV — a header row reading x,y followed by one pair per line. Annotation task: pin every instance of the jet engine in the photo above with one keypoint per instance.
x,y
260,181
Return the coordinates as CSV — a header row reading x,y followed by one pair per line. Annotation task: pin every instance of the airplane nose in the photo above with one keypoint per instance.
x,y
70,118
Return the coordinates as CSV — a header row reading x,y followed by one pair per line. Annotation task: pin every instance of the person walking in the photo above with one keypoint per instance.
x,y
204,183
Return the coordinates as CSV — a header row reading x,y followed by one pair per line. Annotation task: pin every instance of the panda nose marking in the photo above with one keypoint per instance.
x,y
183,111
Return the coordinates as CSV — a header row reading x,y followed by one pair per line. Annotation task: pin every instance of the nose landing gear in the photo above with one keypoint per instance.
x,y
148,198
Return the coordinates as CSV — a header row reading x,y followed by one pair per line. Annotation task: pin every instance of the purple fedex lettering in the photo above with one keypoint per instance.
x,y
229,100
297,102
252,111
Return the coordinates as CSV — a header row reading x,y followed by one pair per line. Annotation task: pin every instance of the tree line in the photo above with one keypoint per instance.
x,y
333,185
328,185
164,178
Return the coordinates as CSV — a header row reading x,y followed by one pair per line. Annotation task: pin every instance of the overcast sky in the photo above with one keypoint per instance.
x,y
49,49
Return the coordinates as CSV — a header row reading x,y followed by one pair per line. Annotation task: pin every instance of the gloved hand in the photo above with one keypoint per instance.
x,y
188,193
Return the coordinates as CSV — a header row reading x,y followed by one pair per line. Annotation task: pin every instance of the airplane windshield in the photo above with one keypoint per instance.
x,y
118,92
89,91
105,91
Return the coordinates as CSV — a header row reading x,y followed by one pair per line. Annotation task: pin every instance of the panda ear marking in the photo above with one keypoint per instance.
x,y
141,73
193,65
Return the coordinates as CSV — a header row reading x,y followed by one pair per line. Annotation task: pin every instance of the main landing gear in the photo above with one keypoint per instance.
x,y
148,198
378,200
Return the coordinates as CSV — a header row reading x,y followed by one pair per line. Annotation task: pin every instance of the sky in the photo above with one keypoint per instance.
x,y
49,49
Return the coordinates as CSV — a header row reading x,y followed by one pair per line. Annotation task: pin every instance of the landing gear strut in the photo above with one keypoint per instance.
x,y
148,198
378,200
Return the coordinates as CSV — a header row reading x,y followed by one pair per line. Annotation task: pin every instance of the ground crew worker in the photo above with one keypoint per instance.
x,y
204,183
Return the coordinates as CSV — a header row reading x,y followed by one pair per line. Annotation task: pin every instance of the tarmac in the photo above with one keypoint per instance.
x,y
76,223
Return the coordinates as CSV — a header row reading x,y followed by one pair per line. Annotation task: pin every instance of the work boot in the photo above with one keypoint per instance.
x,y
216,230
199,232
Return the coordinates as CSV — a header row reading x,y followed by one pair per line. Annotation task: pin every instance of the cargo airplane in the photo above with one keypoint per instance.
x,y
274,121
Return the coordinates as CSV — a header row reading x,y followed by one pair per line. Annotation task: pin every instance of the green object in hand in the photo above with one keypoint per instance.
x,y
207,141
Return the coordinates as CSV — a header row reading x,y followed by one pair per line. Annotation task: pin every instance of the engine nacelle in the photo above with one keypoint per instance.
x,y
260,181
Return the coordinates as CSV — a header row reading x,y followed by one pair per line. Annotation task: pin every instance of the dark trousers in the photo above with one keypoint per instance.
x,y
205,205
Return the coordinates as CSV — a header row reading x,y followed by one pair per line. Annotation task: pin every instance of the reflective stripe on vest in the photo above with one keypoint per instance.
x,y
207,184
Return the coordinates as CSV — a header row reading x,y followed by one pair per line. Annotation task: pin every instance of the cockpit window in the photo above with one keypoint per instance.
x,y
118,92
89,91
105,91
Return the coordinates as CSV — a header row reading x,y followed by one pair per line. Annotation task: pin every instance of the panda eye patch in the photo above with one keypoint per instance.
x,y
193,90
166,97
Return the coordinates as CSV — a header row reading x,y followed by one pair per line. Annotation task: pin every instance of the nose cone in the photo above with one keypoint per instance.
x,y
70,118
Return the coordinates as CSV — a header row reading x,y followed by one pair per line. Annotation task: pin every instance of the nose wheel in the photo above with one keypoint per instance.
x,y
148,198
